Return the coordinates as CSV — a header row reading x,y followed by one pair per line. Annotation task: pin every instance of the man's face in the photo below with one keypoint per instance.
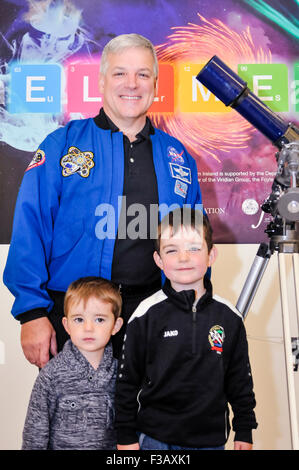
x,y
128,85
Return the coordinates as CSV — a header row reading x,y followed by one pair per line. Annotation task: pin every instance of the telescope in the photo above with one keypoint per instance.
x,y
282,203
234,92
224,83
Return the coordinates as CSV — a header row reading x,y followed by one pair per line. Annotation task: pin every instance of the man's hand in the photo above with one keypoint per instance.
x,y
38,337
134,446
239,445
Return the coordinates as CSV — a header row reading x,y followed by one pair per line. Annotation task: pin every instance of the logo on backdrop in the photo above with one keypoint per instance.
x,y
36,88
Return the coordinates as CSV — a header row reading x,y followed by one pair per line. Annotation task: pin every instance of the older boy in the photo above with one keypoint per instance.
x,y
72,402
185,355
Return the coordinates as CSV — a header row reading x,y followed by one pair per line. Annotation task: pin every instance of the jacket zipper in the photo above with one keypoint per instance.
x,y
194,318
138,401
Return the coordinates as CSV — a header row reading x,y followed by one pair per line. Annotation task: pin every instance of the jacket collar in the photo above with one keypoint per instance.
x,y
185,299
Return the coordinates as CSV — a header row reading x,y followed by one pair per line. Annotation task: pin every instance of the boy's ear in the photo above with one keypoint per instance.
x,y
65,324
117,325
212,255
158,260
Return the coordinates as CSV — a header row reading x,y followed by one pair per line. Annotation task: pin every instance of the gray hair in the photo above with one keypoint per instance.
x,y
126,41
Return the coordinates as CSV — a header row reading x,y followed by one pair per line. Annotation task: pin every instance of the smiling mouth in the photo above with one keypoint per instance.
x,y
127,97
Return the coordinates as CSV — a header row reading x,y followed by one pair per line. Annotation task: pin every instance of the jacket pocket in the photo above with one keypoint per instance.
x,y
71,414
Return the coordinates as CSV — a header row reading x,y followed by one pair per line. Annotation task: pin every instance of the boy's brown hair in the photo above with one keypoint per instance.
x,y
186,217
92,286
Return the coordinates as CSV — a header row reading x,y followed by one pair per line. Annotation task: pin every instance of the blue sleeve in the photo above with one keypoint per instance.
x,y
26,271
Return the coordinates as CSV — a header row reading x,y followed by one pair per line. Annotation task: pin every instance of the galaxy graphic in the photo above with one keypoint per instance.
x,y
236,164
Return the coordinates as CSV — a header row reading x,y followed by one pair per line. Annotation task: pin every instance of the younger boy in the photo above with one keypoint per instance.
x,y
185,355
72,401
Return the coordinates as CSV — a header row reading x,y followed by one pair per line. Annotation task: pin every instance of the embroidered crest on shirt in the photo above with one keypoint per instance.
x,y
37,160
77,162
216,338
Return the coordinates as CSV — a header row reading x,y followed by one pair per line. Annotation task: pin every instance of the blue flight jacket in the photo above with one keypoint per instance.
x,y
60,212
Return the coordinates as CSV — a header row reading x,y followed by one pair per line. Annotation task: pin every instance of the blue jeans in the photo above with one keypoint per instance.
x,y
148,443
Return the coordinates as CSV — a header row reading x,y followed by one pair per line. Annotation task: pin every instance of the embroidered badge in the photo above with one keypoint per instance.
x,y
181,188
216,338
175,155
181,172
38,159
77,162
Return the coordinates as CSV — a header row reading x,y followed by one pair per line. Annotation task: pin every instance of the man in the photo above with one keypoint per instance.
x,y
76,203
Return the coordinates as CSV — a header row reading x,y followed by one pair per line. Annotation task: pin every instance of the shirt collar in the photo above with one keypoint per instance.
x,y
104,122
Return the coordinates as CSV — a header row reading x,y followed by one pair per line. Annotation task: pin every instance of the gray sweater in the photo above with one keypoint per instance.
x,y
71,404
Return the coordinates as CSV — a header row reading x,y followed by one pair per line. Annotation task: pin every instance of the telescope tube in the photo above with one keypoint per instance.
x,y
234,92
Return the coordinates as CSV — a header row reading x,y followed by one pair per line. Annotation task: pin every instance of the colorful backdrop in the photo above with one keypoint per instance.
x,y
49,59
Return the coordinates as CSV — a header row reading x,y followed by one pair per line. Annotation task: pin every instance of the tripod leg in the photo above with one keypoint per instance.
x,y
288,351
254,278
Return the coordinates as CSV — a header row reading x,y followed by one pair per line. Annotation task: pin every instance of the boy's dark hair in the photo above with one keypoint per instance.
x,y
186,217
93,286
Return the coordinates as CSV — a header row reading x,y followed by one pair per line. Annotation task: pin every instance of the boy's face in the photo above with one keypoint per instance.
x,y
184,258
90,326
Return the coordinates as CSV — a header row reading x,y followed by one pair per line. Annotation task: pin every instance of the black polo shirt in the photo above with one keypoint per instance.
x,y
133,262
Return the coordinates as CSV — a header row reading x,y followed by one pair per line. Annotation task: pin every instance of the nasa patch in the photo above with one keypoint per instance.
x,y
181,188
77,162
38,159
181,172
175,155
